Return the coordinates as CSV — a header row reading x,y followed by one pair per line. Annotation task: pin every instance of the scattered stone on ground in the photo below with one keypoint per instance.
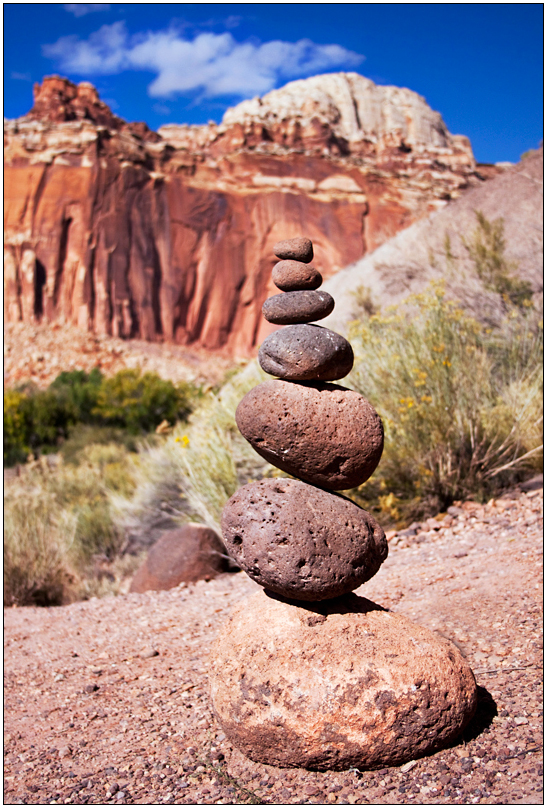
x,y
185,554
91,718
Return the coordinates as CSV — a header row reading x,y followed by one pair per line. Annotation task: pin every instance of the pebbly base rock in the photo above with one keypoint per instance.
x,y
300,541
189,553
322,433
341,684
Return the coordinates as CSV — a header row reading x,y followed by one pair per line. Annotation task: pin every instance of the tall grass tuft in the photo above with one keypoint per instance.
x,y
461,403
192,473
60,541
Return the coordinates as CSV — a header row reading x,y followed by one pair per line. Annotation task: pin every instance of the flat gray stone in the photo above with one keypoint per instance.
x,y
306,353
290,276
295,249
304,306
301,541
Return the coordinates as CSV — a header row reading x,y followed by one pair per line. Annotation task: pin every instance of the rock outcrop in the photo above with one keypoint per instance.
x,y
168,236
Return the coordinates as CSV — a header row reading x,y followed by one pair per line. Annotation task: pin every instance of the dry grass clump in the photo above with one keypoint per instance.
x,y
461,403
60,541
191,474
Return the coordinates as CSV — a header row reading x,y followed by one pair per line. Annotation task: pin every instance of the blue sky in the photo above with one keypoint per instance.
x,y
479,64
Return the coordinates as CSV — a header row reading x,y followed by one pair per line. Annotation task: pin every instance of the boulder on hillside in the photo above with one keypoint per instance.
x,y
190,553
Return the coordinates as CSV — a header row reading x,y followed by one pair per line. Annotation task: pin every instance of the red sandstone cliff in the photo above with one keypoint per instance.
x,y
168,236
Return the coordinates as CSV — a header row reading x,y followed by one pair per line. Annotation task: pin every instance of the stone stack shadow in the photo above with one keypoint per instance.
x,y
305,673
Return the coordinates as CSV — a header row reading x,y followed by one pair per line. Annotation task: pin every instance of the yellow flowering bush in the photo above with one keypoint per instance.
x,y
461,403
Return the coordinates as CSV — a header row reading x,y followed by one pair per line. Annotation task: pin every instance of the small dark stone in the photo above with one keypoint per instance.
x,y
295,249
91,688
291,276
306,353
297,307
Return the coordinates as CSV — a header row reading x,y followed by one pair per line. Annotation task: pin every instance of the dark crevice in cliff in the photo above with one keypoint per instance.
x,y
90,287
63,241
156,287
39,283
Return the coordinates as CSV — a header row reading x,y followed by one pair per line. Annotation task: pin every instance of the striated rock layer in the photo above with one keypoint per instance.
x,y
345,683
168,236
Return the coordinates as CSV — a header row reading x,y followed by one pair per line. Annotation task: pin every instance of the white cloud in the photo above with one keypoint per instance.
x,y
81,9
21,76
212,64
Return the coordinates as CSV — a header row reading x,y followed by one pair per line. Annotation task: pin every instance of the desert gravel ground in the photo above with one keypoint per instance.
x,y
107,701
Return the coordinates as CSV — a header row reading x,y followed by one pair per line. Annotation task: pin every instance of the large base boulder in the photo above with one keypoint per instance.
x,y
189,553
338,684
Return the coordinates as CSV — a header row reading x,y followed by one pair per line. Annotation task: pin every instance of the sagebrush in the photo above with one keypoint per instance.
x,y
461,403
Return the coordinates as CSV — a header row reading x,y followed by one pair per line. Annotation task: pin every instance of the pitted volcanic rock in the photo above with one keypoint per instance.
x,y
291,276
300,541
343,683
297,307
189,553
294,249
323,433
306,353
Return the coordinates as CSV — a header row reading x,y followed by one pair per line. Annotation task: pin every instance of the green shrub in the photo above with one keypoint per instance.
x,y
41,421
78,390
16,427
461,403
141,402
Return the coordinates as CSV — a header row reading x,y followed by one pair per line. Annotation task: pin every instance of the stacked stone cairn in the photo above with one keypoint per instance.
x,y
305,673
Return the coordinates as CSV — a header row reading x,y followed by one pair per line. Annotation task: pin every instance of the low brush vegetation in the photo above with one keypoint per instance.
x,y
79,436
126,405
60,540
461,403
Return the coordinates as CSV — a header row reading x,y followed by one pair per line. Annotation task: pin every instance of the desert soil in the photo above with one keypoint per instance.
x,y
39,352
107,701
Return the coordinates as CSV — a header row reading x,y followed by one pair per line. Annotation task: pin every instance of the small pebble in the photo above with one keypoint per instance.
x,y
291,276
295,249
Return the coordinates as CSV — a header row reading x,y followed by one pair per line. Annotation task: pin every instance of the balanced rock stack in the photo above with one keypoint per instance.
x,y
305,673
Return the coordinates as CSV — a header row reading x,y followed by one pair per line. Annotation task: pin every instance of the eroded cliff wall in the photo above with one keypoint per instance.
x,y
168,236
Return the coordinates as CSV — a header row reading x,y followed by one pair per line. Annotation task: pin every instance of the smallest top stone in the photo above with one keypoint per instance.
x,y
295,249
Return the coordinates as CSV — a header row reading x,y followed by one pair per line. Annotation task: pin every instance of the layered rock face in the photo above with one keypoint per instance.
x,y
168,236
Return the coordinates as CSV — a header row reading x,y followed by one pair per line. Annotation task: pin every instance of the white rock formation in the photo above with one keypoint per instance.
x,y
354,107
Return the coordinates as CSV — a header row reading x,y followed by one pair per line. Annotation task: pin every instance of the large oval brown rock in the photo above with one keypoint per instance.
x,y
290,276
304,306
323,433
306,353
300,541
190,553
341,684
